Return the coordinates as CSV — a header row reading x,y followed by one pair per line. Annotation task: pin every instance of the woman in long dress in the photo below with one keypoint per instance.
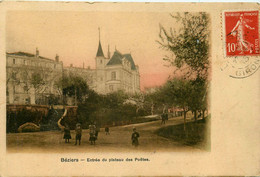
x,y
67,135
92,133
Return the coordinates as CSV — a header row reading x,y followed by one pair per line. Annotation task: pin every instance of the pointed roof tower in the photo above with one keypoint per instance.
x,y
100,51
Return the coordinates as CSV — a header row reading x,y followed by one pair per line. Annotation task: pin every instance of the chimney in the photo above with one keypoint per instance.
x,y
57,58
108,53
37,53
71,65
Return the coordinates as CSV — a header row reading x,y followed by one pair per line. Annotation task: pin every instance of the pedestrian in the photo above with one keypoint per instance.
x,y
107,130
163,118
92,133
135,136
78,130
166,116
67,135
97,131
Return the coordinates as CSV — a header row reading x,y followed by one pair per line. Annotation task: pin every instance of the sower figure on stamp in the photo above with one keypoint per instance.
x,y
92,133
239,31
67,135
78,133
135,136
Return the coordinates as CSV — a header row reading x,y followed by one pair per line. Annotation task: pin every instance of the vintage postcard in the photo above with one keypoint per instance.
x,y
129,89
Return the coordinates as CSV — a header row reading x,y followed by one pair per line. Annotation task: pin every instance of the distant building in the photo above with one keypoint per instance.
x,y
111,74
89,75
30,79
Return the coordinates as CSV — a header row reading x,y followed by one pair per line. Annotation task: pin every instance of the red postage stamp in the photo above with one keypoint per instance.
x,y
241,33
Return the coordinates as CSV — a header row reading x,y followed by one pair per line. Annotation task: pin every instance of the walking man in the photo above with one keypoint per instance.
x,y
163,118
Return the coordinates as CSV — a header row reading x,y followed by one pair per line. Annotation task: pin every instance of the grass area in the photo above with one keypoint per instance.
x,y
142,119
196,134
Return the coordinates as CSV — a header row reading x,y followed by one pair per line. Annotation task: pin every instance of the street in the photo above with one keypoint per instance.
x,y
118,140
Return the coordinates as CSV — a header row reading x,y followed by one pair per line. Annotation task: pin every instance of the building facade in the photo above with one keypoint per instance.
x,y
110,74
116,73
32,79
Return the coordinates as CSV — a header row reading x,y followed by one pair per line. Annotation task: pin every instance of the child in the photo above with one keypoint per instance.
x,y
107,130
92,133
78,130
135,136
67,135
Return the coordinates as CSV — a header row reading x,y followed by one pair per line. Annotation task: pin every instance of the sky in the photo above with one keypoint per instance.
x,y
74,37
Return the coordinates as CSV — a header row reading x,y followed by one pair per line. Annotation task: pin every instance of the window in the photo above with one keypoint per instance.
x,y
111,88
100,61
25,89
113,75
14,76
24,75
13,61
27,100
16,98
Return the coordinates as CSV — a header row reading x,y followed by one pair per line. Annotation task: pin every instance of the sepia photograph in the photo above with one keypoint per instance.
x,y
129,89
80,81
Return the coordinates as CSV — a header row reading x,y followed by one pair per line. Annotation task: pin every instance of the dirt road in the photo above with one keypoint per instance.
x,y
118,140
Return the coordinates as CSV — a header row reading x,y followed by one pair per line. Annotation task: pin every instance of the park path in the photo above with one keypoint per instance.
x,y
118,140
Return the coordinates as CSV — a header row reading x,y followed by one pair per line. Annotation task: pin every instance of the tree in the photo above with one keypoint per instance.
x,y
197,96
73,86
115,99
37,81
138,100
89,106
180,91
189,44
176,92
40,80
158,100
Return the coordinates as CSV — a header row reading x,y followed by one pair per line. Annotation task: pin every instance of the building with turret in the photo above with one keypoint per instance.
x,y
110,74
31,78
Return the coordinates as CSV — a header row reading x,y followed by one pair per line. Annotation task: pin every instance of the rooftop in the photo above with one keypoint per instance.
x,y
100,51
117,59
25,54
